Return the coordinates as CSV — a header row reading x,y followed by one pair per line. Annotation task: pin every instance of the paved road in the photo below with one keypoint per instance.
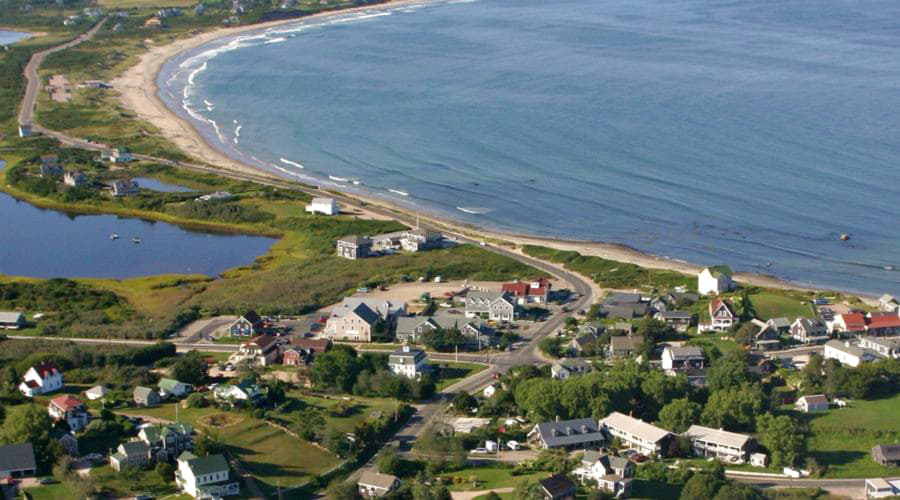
x,y
26,110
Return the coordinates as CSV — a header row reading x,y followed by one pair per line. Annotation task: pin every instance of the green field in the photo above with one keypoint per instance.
x,y
56,491
842,438
775,304
487,477
451,373
363,408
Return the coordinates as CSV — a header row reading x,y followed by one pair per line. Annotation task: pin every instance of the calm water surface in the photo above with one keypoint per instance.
x,y
158,185
750,133
9,37
48,244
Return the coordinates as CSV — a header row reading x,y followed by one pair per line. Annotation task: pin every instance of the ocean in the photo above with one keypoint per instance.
x,y
746,133
10,37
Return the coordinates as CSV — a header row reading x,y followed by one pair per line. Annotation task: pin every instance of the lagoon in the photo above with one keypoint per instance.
x,y
44,243
10,37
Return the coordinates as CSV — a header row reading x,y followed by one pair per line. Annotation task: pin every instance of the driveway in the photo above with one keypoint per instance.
x,y
202,328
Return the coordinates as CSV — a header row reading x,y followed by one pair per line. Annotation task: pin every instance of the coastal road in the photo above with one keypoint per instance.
x,y
26,108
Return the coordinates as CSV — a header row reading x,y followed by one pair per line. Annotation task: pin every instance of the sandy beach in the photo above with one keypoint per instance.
x,y
139,90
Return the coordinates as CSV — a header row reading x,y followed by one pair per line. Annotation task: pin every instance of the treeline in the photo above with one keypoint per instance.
x,y
867,381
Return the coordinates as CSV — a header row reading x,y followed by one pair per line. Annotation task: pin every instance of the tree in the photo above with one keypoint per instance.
x,y
31,424
308,423
701,485
336,369
745,334
734,409
728,372
165,471
430,491
389,461
342,490
782,436
190,368
197,400
540,397
207,443
680,414
528,490
661,389
464,402
737,491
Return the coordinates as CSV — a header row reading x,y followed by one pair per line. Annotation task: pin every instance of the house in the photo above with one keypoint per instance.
x,y
96,392
411,329
386,309
766,338
205,477
681,358
606,472
118,155
171,387
759,459
352,324
595,328
324,206
625,346
153,22
125,187
679,320
494,306
637,434
75,179
721,317
12,320
849,353
246,325
375,484
130,454
535,292
66,440
417,240
258,351
17,460
886,454
302,350
585,343
851,323
882,488
216,196
575,434
245,390
557,487
408,362
714,280
624,305
50,166
492,389
883,324
145,396
563,369
888,348
809,331
782,326
625,327
41,379
354,247
815,402
888,303
729,446
168,441
68,409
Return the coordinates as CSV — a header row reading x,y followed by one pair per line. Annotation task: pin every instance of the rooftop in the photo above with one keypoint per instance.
x,y
15,457
635,427
377,479
718,436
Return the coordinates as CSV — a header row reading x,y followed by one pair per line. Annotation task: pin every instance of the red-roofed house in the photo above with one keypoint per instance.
x,y
721,317
883,324
41,379
536,292
850,323
260,351
69,409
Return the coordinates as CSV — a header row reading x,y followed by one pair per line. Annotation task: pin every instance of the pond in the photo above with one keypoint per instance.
x,y
163,187
45,243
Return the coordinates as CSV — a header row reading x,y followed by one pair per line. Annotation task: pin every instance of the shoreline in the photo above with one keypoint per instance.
x,y
139,93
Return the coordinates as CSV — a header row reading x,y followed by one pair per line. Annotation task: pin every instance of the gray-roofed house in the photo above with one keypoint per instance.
x,y
766,338
675,358
354,247
624,346
781,325
75,179
809,331
50,166
145,396
246,325
17,460
11,320
496,306
679,320
167,441
205,477
884,454
130,454
352,324
575,434
812,402
96,392
588,342
730,446
622,298
889,348
849,353
410,329
408,362
566,368
888,303
609,473
557,487
416,240
373,484
125,187
594,327
637,434
714,280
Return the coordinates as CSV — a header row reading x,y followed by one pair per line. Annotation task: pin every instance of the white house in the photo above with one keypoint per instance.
x,y
496,306
70,410
813,402
714,280
96,392
607,472
171,387
12,320
205,477
244,391
637,434
41,379
888,303
490,390
681,358
118,155
878,487
721,317
373,484
408,362
849,353
729,446
324,206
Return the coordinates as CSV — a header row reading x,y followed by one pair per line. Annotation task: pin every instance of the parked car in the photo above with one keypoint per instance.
x,y
638,458
479,450
47,480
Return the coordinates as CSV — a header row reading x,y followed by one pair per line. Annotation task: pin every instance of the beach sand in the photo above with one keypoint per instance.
x,y
138,90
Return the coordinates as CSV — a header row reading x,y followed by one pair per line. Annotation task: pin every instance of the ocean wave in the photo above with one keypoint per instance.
x,y
397,191
361,17
474,210
289,162
275,40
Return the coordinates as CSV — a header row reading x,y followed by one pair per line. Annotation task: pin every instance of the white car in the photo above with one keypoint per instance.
x,y
479,451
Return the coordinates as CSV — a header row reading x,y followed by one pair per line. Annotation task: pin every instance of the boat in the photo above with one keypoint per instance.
x,y
114,236
845,237
136,240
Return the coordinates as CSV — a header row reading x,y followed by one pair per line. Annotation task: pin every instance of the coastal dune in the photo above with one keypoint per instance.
x,y
139,92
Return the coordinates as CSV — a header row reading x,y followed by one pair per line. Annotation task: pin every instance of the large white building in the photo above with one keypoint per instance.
x,y
41,379
205,477
849,353
730,446
637,434
324,206
408,362
714,280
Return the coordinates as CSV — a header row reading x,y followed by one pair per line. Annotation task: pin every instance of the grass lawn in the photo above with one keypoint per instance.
x,y
654,489
487,477
363,409
451,373
775,304
714,339
504,496
218,356
268,453
56,491
842,438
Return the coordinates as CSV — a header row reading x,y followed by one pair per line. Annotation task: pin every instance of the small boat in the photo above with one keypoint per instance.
x,y
888,268
845,237
114,236
136,240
